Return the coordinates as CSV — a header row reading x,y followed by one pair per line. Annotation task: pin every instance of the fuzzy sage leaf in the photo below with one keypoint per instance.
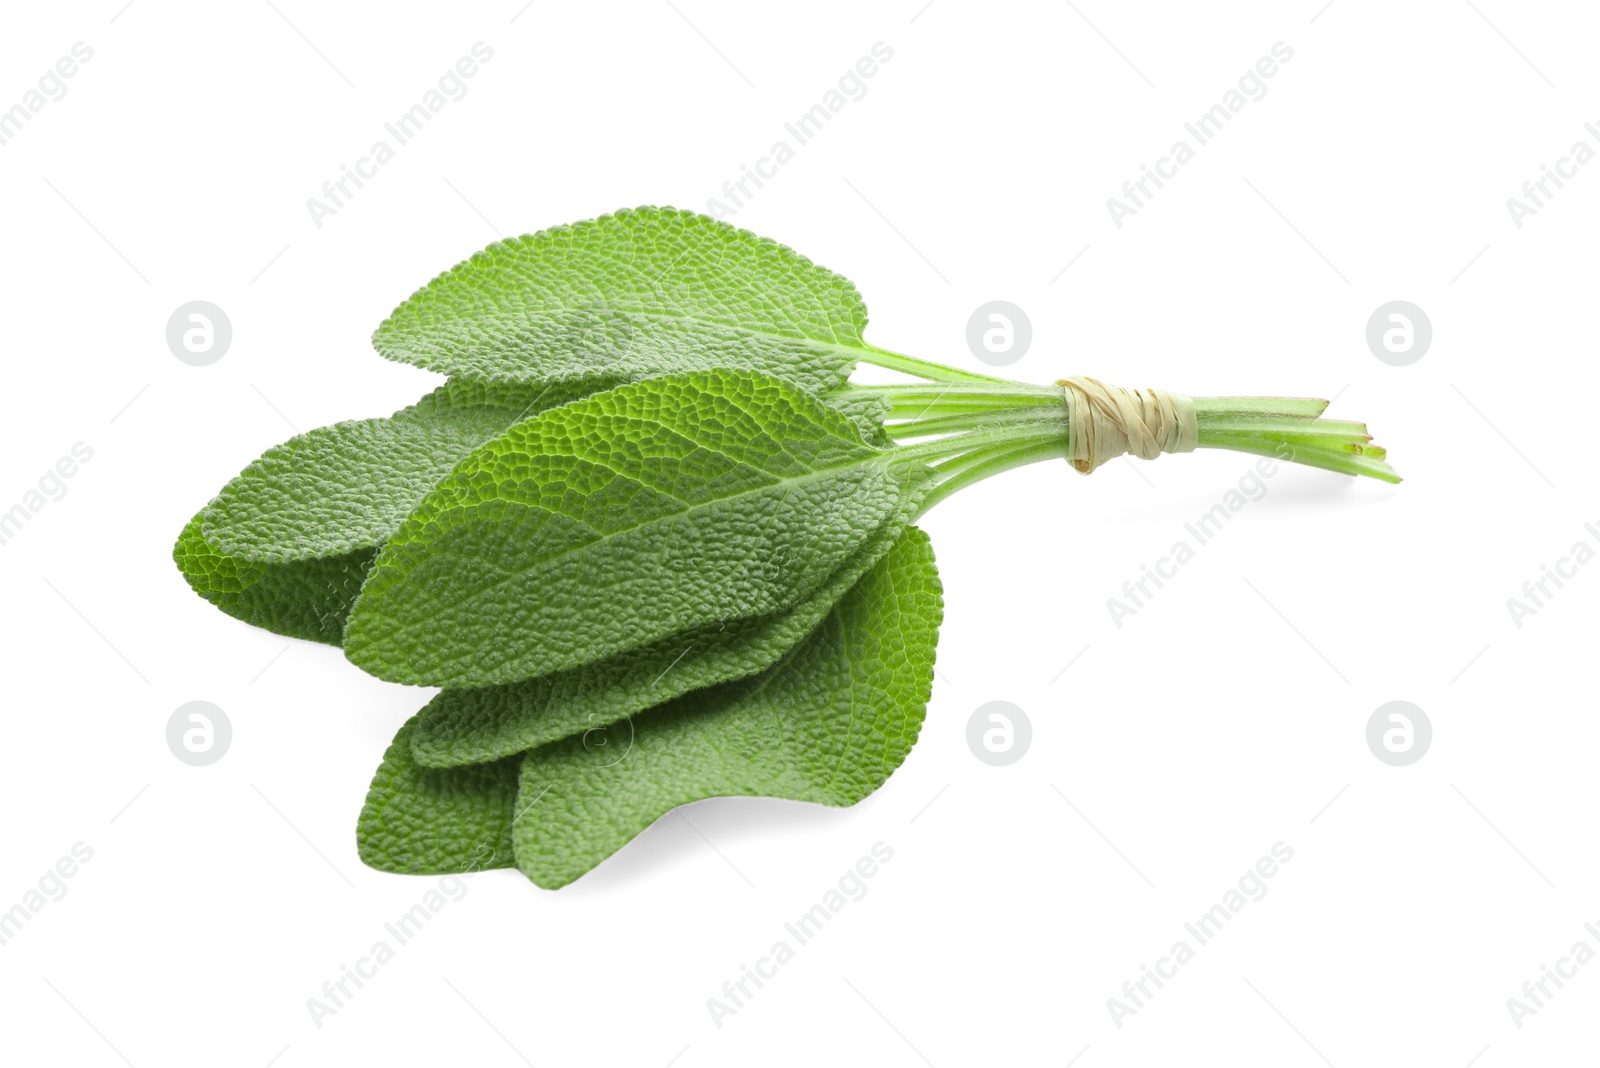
x,y
618,520
307,599
646,291
473,725
829,723
348,486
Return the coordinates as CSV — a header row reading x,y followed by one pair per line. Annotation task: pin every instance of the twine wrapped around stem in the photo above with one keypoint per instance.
x,y
1106,421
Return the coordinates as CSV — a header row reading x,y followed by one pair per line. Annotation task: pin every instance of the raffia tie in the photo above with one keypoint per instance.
x,y
1106,421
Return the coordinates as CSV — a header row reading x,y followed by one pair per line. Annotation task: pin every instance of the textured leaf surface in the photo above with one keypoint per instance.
x,y
829,724
621,519
422,821
348,486
307,518
470,726
305,599
638,292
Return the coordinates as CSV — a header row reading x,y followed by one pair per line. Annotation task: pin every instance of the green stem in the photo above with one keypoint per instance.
x,y
970,431
911,401
965,402
1287,407
1291,429
987,463
1329,428
945,424
1346,464
933,372
955,445
946,469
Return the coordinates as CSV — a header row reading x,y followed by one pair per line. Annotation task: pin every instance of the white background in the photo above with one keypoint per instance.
x,y
1228,715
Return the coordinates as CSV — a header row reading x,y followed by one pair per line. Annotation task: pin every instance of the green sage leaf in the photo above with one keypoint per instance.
x,y
618,520
303,599
470,726
422,821
345,487
642,291
829,723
